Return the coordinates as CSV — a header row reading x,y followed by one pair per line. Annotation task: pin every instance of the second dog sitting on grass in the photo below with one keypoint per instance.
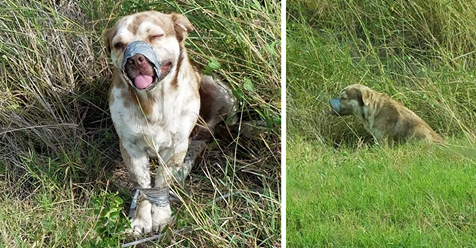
x,y
386,119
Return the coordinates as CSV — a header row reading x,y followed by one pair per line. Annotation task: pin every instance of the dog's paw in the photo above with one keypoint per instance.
x,y
142,221
161,216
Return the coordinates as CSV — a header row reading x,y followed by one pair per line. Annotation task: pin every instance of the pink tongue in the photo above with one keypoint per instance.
x,y
143,81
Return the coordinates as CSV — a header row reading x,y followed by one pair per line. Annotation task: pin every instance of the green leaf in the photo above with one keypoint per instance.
x,y
238,93
207,70
271,48
214,64
118,200
248,85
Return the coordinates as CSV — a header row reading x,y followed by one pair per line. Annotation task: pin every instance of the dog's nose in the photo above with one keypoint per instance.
x,y
137,59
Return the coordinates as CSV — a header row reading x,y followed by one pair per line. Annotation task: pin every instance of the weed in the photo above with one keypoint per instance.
x,y
111,225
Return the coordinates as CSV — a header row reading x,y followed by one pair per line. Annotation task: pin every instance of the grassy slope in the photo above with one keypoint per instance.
x,y
59,151
361,195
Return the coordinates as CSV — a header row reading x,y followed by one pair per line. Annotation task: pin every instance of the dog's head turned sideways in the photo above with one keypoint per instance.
x,y
351,100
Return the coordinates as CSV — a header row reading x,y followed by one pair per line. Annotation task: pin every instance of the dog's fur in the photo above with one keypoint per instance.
x,y
386,119
158,122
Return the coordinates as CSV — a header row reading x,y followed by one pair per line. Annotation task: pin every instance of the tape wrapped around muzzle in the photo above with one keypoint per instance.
x,y
143,48
335,105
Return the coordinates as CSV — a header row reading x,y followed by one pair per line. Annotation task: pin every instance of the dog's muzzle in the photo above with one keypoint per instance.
x,y
335,106
143,48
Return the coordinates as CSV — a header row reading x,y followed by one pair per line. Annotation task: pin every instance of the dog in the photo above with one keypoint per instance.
x,y
386,119
156,100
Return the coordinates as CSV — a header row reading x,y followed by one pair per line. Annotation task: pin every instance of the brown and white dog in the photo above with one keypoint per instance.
x,y
386,119
155,101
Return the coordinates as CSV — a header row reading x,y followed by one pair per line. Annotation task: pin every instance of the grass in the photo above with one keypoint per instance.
x,y
410,196
342,189
331,51
59,151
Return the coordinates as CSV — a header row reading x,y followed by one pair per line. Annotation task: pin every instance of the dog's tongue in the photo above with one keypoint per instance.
x,y
143,81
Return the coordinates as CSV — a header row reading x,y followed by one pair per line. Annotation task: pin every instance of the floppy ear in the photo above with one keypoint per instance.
x,y
182,26
368,96
108,35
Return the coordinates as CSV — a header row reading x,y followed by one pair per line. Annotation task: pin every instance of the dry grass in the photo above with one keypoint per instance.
x,y
58,149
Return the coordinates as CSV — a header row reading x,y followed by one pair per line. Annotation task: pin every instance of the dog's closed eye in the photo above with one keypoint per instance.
x,y
155,37
119,46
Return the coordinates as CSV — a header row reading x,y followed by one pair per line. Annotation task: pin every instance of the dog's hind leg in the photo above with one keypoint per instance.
x,y
217,105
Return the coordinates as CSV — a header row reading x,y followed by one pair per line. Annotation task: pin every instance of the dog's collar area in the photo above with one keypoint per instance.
x,y
159,196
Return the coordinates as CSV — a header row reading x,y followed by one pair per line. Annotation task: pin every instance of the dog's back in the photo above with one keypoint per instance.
x,y
400,123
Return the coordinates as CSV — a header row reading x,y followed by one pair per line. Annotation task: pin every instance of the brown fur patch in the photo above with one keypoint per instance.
x,y
132,99
108,36
111,99
182,26
174,82
147,104
116,80
134,26
157,18
355,94
127,95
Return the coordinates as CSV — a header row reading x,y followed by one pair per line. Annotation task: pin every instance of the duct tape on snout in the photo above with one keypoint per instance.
x,y
143,48
335,105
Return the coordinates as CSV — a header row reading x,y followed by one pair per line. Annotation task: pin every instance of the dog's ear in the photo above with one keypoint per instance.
x,y
107,36
182,26
368,96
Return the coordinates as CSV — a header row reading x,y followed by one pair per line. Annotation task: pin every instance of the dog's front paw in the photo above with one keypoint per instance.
x,y
142,221
161,216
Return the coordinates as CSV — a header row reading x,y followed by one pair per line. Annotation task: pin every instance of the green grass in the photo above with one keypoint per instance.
x,y
344,191
59,152
409,196
341,46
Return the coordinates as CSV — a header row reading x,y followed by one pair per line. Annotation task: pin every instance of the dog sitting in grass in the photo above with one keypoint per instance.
x,y
386,119
156,99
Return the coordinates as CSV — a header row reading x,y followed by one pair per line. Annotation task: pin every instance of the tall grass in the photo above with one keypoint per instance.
x,y
419,53
59,150
343,191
